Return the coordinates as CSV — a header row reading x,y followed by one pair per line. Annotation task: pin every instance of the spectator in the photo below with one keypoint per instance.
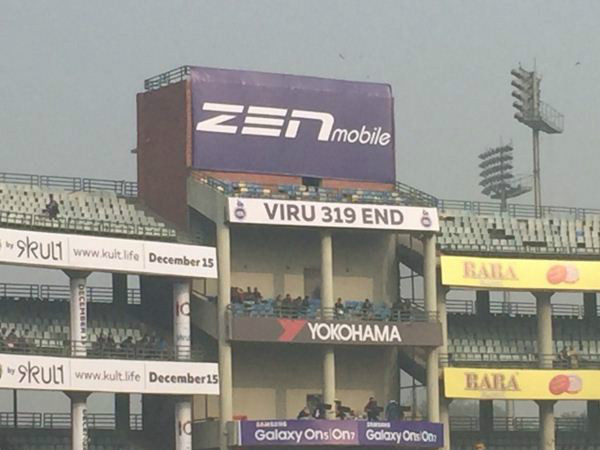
x,y
367,309
304,414
287,304
339,309
257,295
11,339
573,358
305,306
277,305
563,356
248,295
372,409
51,208
479,445
393,411
110,342
297,306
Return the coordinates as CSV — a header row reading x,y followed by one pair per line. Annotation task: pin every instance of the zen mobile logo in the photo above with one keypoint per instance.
x,y
267,121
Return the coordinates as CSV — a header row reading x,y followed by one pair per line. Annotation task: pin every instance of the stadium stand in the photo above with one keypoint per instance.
x,y
86,206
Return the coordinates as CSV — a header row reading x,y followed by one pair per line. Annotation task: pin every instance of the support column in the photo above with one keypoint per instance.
x,y
122,412
183,343
327,305
433,371
224,299
445,420
593,416
546,437
482,303
486,416
78,338
590,308
119,289
79,426
545,350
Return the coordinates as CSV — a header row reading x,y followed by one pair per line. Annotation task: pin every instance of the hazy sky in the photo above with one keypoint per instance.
x,y
70,70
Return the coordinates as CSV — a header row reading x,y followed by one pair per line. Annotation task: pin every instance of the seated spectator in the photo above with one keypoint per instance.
x,y
372,409
339,309
305,305
367,309
101,341
573,358
257,295
304,414
393,411
110,342
51,208
277,305
287,304
479,445
11,339
297,306
563,356
249,295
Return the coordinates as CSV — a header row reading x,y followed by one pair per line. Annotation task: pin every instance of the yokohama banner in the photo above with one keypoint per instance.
x,y
72,251
284,124
302,331
395,433
107,375
332,215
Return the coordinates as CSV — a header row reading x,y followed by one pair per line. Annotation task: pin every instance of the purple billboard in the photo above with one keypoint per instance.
x,y
282,124
397,433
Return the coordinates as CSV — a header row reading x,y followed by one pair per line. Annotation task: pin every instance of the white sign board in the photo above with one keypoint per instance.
x,y
108,375
71,251
332,215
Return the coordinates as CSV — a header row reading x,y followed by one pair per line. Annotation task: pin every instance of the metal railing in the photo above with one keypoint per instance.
x,y
586,360
78,225
75,349
253,310
120,187
98,421
472,423
52,292
511,308
166,78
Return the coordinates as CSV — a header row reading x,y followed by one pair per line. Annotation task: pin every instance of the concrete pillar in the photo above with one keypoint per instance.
x,y
482,303
224,299
544,328
593,416
486,416
430,284
122,412
119,289
445,420
327,305
590,308
546,436
79,426
545,350
78,312
182,340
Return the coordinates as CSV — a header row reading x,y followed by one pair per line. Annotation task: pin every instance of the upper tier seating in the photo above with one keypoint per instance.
x,y
88,212
463,230
44,440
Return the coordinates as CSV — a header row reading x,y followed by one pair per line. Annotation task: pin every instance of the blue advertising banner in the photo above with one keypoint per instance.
x,y
282,124
397,433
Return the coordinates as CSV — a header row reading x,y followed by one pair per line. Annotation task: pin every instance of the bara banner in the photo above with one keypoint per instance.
x,y
71,251
522,384
332,215
102,375
302,331
525,274
395,433
283,124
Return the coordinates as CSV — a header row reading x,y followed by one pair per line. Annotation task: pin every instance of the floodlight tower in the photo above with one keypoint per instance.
x,y
497,178
538,116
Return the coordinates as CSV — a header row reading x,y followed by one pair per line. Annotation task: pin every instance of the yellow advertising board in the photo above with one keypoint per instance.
x,y
517,384
524,274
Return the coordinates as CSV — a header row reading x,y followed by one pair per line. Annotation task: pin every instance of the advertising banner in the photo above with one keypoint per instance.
x,y
104,375
71,251
525,274
302,331
340,432
284,124
522,384
331,215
